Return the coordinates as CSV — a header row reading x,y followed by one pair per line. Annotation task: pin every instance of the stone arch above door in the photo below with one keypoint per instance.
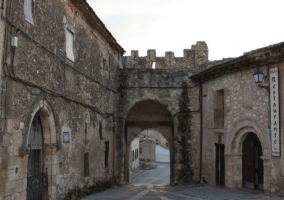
x,y
239,132
44,110
233,150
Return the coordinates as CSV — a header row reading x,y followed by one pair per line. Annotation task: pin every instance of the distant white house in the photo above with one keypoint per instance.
x,y
134,155
147,148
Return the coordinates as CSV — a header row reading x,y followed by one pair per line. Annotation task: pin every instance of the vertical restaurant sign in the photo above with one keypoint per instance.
x,y
274,107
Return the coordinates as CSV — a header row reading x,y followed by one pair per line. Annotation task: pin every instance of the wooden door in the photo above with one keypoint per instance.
x,y
35,164
220,164
252,163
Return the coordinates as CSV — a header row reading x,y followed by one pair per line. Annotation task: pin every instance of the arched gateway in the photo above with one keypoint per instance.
x,y
144,115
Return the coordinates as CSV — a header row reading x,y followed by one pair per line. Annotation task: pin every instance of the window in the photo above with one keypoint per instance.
x,y
219,109
106,153
28,10
140,150
69,45
86,164
136,153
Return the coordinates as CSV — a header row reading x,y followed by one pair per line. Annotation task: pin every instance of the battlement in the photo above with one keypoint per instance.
x,y
192,58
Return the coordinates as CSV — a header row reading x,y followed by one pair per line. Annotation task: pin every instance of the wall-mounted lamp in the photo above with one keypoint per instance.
x,y
14,42
258,78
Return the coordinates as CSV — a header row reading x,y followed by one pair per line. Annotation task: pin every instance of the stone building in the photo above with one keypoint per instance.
x,y
134,156
57,100
71,105
158,136
241,142
147,149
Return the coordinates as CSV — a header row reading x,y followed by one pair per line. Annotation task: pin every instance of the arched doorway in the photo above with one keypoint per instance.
x,y
145,115
252,162
37,184
40,147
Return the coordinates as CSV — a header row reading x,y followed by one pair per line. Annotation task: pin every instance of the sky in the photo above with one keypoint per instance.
x,y
229,27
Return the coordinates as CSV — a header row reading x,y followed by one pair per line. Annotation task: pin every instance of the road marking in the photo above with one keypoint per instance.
x,y
185,196
163,198
143,193
139,195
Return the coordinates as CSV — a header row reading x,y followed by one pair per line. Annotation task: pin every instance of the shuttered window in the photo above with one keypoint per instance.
x,y
69,45
29,11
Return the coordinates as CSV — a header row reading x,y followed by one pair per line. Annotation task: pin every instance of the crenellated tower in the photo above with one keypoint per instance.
x,y
194,57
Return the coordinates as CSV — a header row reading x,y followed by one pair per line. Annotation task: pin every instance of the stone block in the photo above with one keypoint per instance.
x,y
7,198
51,159
10,125
16,196
13,187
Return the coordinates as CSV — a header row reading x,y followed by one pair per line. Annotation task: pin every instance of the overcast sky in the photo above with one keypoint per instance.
x,y
229,27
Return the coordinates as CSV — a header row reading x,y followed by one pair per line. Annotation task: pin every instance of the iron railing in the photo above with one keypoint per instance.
x,y
37,187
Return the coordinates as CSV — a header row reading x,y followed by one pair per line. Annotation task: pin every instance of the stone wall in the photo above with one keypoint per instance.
x,y
3,150
163,85
74,97
148,147
192,58
246,109
134,156
158,136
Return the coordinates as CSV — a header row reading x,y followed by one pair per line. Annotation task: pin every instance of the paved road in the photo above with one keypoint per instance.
x,y
158,176
150,192
153,185
162,154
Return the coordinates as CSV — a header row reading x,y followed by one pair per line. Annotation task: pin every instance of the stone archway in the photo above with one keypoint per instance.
x,y
149,114
43,114
234,148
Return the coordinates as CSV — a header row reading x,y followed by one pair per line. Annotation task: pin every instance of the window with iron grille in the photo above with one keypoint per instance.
x,y
69,45
28,11
219,109
106,153
86,164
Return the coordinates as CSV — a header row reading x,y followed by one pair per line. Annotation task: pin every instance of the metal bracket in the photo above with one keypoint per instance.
x,y
265,87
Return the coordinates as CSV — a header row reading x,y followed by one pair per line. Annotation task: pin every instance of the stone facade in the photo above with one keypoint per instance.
x,y
3,151
64,70
74,98
245,108
134,159
147,149
158,136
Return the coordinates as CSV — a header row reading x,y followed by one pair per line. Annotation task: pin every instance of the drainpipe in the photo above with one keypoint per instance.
x,y
201,129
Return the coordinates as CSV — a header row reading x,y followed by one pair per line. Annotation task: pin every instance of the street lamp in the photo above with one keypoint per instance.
x,y
258,78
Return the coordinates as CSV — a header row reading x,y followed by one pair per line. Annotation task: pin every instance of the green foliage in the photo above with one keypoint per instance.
x,y
184,125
